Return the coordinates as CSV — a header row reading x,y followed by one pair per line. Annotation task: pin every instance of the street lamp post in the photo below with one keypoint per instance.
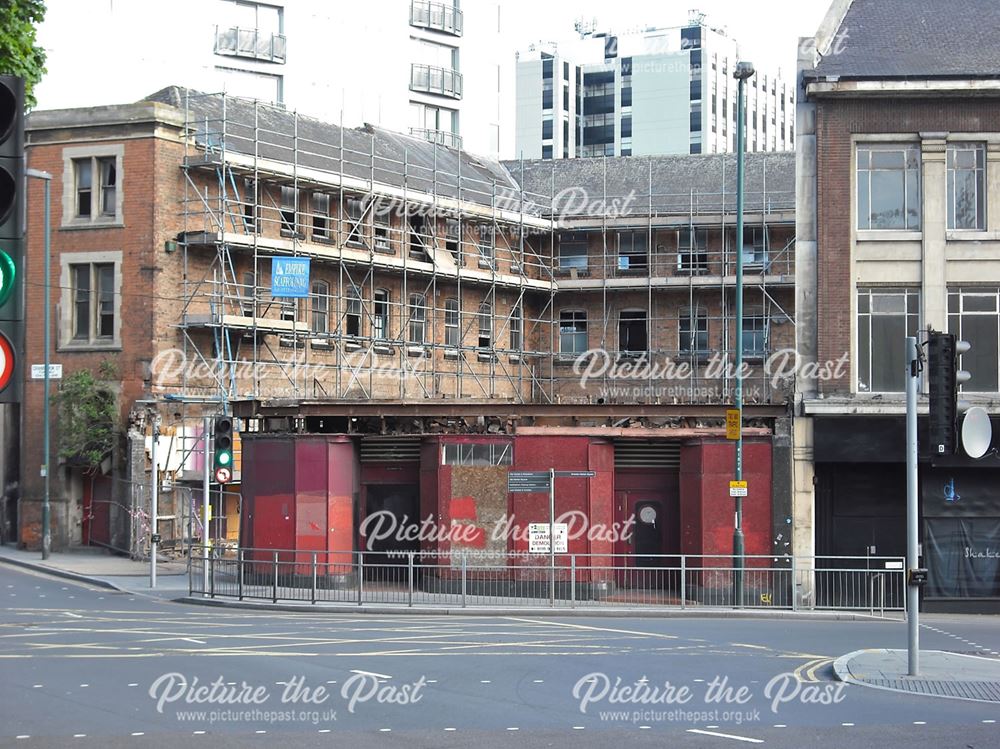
x,y
47,291
743,71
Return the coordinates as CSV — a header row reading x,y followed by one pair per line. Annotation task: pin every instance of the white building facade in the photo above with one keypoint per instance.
x,y
658,91
434,69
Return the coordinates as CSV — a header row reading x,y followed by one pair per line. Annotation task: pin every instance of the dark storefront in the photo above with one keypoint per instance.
x,y
861,508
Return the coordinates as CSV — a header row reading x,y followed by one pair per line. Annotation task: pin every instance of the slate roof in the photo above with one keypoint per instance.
x,y
916,39
278,131
578,183
679,183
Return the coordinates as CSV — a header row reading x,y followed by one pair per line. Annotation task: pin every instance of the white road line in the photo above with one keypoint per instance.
x,y
370,673
79,735
385,730
84,686
23,736
847,724
920,722
485,681
70,613
725,736
138,733
199,733
324,730
514,728
36,686
643,728
780,725
450,729
538,681
578,728
989,720
133,684
261,731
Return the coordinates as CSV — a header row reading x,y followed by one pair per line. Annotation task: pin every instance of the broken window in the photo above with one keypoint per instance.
x,y
572,332
321,216
485,325
692,251
380,321
632,335
418,318
289,206
633,251
693,331
352,319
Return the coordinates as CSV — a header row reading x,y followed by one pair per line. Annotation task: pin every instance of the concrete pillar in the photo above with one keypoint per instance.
x,y
933,274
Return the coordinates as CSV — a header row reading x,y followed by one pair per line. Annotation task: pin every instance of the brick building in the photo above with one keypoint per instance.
x,y
897,225
463,317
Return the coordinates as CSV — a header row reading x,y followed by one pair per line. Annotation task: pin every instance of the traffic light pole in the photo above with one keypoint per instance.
x,y
912,561
154,510
205,498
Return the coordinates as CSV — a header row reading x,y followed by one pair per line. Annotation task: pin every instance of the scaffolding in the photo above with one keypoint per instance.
x,y
437,275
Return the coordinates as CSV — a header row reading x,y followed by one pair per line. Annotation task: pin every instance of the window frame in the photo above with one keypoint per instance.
x,y
698,346
957,325
452,322
319,309
68,338
873,147
981,202
95,157
578,316
417,308
862,324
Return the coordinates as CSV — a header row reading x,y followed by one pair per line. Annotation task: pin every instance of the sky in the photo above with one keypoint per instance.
x,y
767,30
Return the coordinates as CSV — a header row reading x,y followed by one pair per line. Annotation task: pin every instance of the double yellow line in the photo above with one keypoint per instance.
x,y
807,671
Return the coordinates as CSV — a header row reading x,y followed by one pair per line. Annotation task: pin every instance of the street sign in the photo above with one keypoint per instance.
x,y
223,475
737,488
575,474
528,481
7,360
733,426
38,371
538,537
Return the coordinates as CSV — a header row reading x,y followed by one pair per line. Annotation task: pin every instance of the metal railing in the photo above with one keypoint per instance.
x,y
438,16
441,137
435,80
252,43
875,585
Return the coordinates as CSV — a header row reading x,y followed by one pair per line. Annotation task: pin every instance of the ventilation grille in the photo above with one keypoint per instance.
x,y
390,450
645,454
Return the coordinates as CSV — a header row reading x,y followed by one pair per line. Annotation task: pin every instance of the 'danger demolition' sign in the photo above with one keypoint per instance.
x,y
290,277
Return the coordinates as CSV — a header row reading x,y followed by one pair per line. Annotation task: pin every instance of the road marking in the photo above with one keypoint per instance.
x,y
725,736
578,728
199,733
449,729
385,730
847,724
643,728
36,686
79,735
84,686
514,728
261,731
485,681
70,613
780,725
370,673
133,684
744,645
538,681
593,629
23,736
920,722
989,720
138,733
324,730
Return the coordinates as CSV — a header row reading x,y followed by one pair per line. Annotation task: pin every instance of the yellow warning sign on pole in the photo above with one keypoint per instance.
x,y
733,425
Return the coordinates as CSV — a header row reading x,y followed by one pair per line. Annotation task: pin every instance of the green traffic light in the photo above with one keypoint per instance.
x,y
7,276
224,458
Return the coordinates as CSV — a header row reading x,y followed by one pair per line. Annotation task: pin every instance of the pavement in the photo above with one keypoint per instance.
x,y
100,567
940,673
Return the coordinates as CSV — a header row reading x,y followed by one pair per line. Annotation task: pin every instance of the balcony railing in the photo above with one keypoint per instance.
x,y
437,16
435,80
441,137
252,43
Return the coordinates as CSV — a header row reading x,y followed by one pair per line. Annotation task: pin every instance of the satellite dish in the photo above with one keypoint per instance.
x,y
977,433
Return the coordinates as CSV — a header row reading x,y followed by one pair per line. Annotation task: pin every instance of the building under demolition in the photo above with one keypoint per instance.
x,y
457,318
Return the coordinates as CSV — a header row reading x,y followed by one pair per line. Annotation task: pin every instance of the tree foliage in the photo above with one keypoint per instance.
x,y
87,416
19,55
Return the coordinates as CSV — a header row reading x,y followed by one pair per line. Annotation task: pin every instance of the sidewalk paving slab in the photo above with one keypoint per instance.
x,y
942,674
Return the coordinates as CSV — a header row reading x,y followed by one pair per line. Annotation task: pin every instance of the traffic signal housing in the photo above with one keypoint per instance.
x,y
12,201
944,376
224,443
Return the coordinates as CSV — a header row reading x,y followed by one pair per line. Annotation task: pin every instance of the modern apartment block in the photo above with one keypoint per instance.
x,y
435,69
898,228
658,91
462,317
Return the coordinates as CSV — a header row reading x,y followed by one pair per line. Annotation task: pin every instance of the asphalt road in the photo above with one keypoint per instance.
x,y
84,667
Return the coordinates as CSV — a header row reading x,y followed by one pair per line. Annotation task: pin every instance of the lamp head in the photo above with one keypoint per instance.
x,y
743,70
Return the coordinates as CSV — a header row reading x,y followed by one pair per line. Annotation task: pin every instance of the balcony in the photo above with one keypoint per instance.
x,y
436,16
441,137
254,44
435,80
